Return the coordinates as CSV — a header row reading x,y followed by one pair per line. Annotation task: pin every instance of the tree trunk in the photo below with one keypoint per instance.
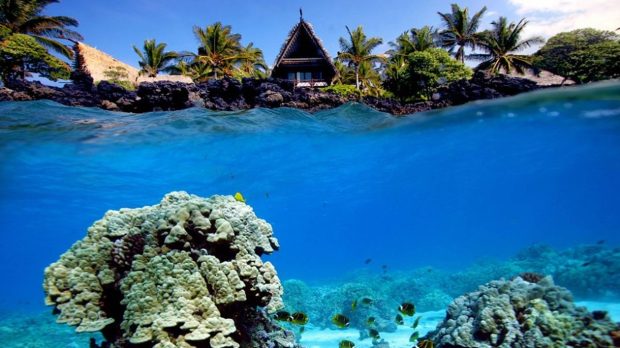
x,y
357,77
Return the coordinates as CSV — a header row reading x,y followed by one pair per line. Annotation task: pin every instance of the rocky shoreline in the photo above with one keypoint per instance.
x,y
229,94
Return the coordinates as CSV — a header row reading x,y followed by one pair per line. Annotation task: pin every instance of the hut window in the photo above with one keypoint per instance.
x,y
307,76
291,76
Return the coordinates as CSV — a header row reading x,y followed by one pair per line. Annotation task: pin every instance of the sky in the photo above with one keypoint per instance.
x,y
115,25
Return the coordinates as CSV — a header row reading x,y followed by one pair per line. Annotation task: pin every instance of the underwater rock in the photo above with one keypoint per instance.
x,y
184,273
517,313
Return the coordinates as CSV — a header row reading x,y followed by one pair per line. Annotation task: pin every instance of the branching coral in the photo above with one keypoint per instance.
x,y
184,273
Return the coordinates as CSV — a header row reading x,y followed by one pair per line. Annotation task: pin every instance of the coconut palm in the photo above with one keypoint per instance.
x,y
501,43
251,62
197,70
219,48
414,40
25,17
154,58
461,30
357,50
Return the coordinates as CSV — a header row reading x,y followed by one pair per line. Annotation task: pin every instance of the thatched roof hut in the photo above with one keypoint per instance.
x,y
303,58
102,66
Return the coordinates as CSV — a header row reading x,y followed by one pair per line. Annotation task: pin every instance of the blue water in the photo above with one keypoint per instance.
x,y
444,189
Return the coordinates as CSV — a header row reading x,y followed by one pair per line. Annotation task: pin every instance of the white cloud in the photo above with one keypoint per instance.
x,y
549,17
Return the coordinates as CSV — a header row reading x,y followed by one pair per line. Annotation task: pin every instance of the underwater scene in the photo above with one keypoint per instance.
x,y
471,226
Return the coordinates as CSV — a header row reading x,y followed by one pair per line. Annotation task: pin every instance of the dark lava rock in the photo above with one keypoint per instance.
x,y
163,95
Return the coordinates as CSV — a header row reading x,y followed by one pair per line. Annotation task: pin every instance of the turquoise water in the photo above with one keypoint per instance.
x,y
443,189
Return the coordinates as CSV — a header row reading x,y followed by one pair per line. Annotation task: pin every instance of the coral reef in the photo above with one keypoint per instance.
x,y
518,313
589,272
184,273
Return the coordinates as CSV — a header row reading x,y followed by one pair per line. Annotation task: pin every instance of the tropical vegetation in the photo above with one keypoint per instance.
x,y
154,58
583,55
356,52
500,46
27,37
460,30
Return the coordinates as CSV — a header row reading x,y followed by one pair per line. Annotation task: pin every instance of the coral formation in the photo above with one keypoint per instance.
x,y
519,313
184,273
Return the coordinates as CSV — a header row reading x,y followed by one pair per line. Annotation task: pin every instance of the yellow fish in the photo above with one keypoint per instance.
x,y
239,197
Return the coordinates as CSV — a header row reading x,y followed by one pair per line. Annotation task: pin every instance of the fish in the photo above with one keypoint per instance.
x,y
366,301
299,318
302,329
407,309
600,242
416,322
367,261
373,333
340,320
282,316
239,197
414,337
370,321
353,305
426,344
346,344
399,319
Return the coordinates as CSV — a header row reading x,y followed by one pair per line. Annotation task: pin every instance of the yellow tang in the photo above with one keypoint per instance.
x,y
416,322
346,344
299,318
414,337
353,305
340,320
426,344
239,197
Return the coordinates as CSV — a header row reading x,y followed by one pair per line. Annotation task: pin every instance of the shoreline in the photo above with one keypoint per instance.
x,y
229,94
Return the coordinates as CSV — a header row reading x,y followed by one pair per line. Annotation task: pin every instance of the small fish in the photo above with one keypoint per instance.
x,y
370,321
414,337
407,309
601,242
353,305
340,320
369,260
373,333
346,344
367,301
239,197
587,263
302,329
384,268
299,318
426,344
399,319
416,322
282,316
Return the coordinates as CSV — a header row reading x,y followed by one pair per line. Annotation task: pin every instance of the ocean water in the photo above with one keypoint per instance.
x,y
346,190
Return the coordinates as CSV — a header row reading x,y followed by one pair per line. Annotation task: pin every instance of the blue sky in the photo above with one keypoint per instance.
x,y
115,25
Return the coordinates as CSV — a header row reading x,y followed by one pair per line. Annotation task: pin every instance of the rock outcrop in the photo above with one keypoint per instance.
x,y
519,313
184,273
229,94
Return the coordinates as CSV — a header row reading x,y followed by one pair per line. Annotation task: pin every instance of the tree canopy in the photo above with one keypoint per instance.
x,y
582,55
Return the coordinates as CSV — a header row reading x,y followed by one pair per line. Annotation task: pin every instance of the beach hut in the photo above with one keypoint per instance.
x,y
303,58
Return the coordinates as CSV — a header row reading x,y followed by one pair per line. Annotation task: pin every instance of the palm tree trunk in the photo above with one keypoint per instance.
x,y
357,77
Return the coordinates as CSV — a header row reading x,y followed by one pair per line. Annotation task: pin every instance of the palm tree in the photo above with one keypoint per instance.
x,y
357,50
414,40
197,70
25,17
499,45
219,48
251,62
154,58
461,30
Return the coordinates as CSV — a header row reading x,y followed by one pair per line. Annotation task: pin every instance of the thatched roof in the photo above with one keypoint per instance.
x,y
303,25
96,63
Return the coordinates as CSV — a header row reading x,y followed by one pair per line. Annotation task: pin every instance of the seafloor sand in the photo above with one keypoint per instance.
x,y
316,338
38,330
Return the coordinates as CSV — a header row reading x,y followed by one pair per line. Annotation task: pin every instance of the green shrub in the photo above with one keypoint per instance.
x,y
342,90
119,76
